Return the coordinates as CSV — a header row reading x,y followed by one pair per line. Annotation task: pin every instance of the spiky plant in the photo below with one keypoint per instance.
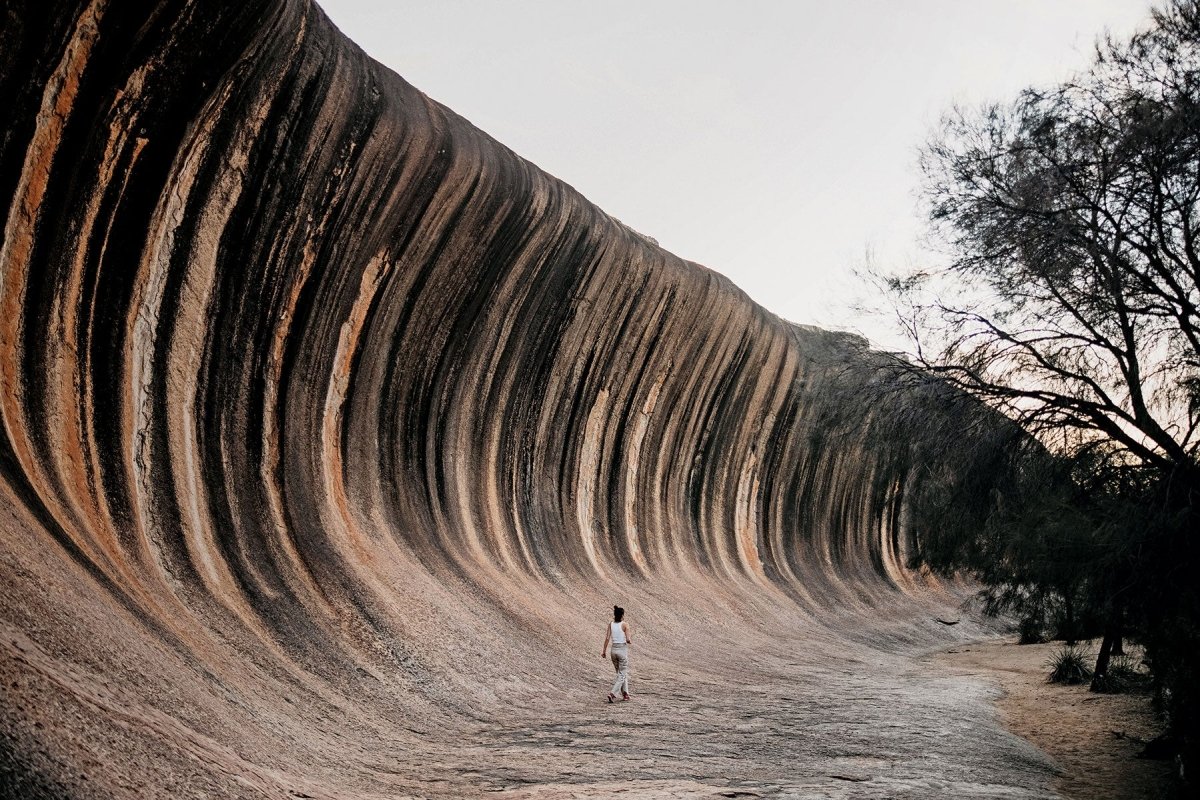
x,y
1069,665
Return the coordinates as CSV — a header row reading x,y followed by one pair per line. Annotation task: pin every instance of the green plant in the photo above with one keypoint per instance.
x,y
1069,665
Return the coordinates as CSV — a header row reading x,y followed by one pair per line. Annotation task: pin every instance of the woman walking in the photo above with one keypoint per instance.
x,y
618,636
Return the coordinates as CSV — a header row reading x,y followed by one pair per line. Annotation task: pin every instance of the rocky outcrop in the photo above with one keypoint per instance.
x,y
331,426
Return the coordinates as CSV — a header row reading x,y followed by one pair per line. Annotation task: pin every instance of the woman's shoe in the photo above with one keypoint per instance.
x,y
611,697
625,696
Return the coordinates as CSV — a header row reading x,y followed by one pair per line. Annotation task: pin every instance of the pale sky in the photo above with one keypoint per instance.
x,y
772,141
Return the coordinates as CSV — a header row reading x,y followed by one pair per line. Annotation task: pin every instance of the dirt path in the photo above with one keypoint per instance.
x,y
1075,727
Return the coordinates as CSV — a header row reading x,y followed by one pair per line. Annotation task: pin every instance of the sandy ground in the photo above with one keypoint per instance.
x,y
1094,739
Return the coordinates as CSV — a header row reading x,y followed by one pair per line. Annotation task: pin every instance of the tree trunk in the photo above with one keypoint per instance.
x,y
1118,648
1111,634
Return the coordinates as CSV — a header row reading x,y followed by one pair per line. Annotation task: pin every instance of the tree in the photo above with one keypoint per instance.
x,y
1072,218
1070,300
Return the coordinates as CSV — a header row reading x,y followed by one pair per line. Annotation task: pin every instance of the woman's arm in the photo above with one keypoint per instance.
x,y
625,627
607,637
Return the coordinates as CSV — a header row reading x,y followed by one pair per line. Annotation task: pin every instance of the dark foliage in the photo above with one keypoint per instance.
x,y
1030,630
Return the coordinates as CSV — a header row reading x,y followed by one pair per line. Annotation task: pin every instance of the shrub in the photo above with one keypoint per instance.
x,y
1069,665
1122,675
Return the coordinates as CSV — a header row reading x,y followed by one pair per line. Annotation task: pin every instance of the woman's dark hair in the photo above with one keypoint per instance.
x,y
618,612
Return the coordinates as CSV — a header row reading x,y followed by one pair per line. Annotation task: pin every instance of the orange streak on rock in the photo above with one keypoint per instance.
x,y
19,234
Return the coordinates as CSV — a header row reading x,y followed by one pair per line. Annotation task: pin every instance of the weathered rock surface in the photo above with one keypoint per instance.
x,y
332,430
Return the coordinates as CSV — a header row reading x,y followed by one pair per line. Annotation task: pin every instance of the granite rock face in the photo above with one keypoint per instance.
x,y
332,429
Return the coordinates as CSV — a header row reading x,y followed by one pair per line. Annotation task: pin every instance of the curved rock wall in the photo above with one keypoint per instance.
x,y
323,412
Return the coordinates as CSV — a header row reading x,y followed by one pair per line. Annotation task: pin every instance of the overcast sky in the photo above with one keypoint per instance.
x,y
773,141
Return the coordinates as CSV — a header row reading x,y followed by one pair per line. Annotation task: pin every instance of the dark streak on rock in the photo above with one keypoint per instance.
x,y
314,382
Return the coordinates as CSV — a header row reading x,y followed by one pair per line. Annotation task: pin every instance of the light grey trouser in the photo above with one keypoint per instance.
x,y
620,659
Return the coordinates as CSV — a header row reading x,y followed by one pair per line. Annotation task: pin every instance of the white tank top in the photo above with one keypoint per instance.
x,y
618,635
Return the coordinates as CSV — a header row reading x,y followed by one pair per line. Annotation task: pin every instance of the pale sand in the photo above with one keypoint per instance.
x,y
1075,727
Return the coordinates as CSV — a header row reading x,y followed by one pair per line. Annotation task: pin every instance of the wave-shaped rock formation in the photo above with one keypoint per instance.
x,y
332,429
